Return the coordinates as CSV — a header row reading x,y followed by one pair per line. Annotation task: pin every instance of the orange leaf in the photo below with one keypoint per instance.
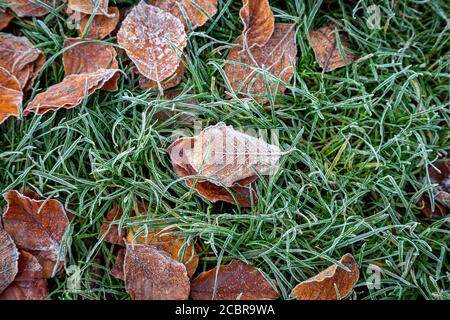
x,y
5,19
147,35
323,286
10,95
151,274
277,57
89,6
235,280
101,26
258,20
196,17
326,49
18,57
70,92
26,8
36,226
83,56
30,282
8,260
170,82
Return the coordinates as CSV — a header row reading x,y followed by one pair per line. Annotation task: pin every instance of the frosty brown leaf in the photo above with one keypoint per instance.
x,y
152,274
97,7
101,25
169,243
323,286
277,57
9,257
180,8
30,282
37,227
147,35
82,56
26,8
236,280
258,21
109,231
117,269
326,49
5,19
10,95
18,57
70,92
172,81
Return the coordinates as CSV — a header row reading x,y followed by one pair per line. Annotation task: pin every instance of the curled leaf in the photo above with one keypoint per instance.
x,y
97,7
101,25
10,95
9,257
70,92
26,8
323,286
30,282
258,21
151,274
236,280
82,56
5,19
147,35
326,49
246,67
189,8
36,226
18,57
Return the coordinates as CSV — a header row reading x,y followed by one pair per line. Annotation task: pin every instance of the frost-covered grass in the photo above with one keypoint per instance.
x,y
362,137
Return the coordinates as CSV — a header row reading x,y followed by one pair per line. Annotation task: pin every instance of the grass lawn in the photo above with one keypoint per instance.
x,y
360,139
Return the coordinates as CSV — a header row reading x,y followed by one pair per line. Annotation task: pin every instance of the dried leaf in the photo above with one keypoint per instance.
x,y
83,56
326,49
36,226
169,243
5,19
70,92
117,269
9,257
147,35
26,8
30,283
170,82
235,280
101,26
109,231
89,6
223,157
182,8
323,286
18,57
151,274
11,95
277,57
258,21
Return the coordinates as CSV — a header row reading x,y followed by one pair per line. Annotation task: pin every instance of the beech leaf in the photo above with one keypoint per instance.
x,y
9,257
5,19
258,21
323,285
152,274
37,226
172,81
11,95
236,280
26,8
101,25
89,6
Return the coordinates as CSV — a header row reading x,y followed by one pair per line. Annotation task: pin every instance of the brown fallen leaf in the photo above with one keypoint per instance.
x,y
109,231
236,280
9,257
440,175
89,6
277,57
101,25
180,8
258,21
36,226
152,274
171,244
26,8
223,157
326,49
30,282
170,82
83,56
323,285
11,95
70,92
5,19
117,269
18,57
147,35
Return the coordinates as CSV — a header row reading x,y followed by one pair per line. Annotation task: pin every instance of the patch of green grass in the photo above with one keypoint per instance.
x,y
362,138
